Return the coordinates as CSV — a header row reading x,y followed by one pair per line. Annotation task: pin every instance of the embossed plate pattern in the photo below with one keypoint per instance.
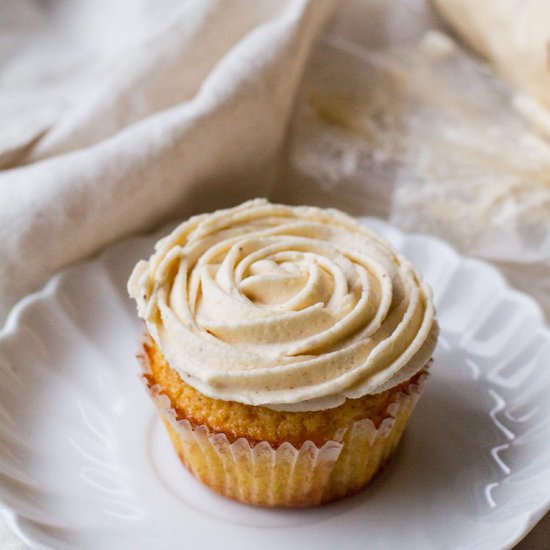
x,y
85,463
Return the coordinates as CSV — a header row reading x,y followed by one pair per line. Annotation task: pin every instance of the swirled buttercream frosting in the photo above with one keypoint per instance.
x,y
293,308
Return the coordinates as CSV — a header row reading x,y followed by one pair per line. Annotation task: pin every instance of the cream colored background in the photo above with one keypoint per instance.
x,y
118,116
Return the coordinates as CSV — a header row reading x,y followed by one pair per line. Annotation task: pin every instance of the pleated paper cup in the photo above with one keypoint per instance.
x,y
262,474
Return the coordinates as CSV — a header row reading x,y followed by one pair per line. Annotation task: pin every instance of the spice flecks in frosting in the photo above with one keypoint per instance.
x,y
296,308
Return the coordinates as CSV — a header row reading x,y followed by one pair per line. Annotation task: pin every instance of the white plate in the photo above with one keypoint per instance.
x,y
85,463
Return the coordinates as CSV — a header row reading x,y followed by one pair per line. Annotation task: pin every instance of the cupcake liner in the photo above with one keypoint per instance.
x,y
257,473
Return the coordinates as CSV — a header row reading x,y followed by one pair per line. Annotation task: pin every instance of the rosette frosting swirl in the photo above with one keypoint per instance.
x,y
294,308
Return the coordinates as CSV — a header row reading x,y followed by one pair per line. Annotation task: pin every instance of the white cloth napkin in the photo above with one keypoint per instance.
x,y
515,37
116,115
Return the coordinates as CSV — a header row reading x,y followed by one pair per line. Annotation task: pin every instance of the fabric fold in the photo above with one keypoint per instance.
x,y
187,111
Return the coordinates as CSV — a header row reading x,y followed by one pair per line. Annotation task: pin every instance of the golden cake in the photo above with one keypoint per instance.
x,y
285,350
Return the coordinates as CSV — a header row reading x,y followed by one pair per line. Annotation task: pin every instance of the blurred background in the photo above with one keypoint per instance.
x,y
119,117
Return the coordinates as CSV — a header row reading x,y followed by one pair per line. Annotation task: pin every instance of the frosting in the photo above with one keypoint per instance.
x,y
294,308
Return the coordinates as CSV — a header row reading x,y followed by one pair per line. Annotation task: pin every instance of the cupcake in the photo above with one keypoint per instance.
x,y
286,349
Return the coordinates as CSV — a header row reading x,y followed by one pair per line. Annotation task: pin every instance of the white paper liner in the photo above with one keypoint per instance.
x,y
257,473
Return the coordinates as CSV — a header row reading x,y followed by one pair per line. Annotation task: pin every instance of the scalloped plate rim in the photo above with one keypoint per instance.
x,y
530,517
